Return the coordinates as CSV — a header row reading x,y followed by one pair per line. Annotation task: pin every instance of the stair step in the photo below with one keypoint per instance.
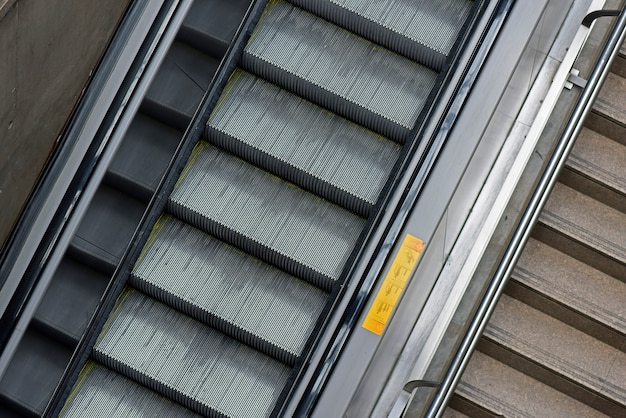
x,y
453,413
619,65
210,25
229,290
179,85
422,30
188,362
338,70
557,354
106,229
572,292
608,116
34,371
71,299
302,143
143,157
585,229
490,388
105,393
597,168
265,216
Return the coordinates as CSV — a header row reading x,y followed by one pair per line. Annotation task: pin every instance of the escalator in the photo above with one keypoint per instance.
x,y
117,207
260,222
555,345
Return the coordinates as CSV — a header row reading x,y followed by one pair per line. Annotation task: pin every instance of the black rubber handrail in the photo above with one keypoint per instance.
x,y
529,217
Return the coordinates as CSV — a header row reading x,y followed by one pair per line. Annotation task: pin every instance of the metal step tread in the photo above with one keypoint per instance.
x,y
106,228
143,157
580,365
588,294
228,289
34,371
102,392
210,25
187,361
422,30
495,389
71,298
265,216
602,161
302,142
591,224
179,85
338,70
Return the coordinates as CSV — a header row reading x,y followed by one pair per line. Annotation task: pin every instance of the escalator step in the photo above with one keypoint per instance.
x,y
71,299
34,371
265,216
423,30
143,157
210,25
185,360
301,142
179,85
106,229
338,70
227,289
102,392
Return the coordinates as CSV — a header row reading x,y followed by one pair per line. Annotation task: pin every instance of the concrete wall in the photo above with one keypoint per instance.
x,y
48,48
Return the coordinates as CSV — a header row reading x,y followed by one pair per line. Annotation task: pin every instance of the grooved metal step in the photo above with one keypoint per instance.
x,y
423,30
71,299
265,216
106,228
229,290
34,371
211,24
143,157
103,392
338,70
332,158
181,358
179,85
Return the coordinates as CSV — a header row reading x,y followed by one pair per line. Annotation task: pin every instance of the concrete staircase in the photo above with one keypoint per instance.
x,y
556,343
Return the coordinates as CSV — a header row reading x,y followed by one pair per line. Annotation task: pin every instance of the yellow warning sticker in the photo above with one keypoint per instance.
x,y
393,285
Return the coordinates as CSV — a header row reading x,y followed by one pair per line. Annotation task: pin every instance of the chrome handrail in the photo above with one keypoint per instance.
x,y
529,218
